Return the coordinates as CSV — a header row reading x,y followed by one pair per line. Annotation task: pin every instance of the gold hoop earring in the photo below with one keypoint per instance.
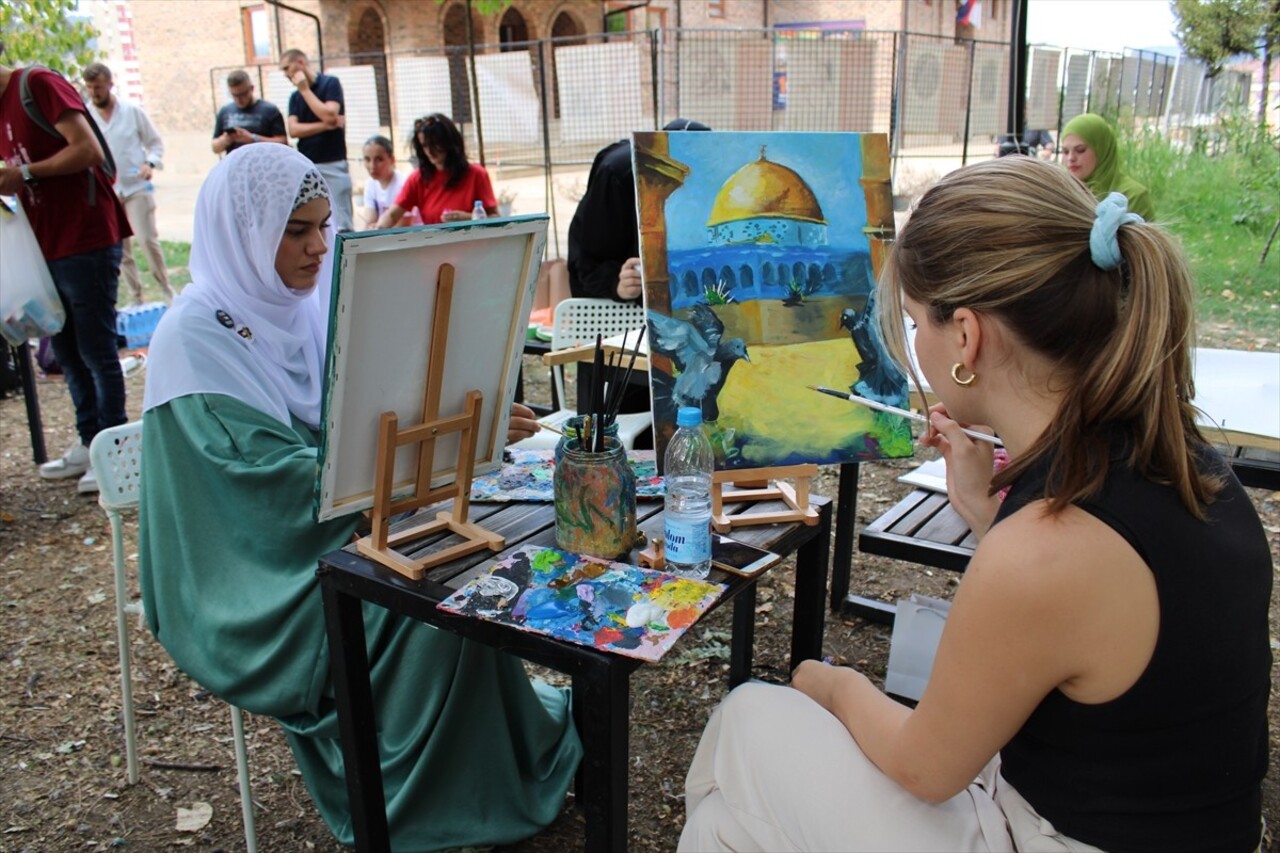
x,y
955,375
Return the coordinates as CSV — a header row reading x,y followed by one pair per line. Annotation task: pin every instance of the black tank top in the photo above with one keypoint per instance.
x,y
1176,762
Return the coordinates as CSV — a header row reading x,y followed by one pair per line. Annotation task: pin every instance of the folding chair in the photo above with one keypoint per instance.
x,y
116,456
577,322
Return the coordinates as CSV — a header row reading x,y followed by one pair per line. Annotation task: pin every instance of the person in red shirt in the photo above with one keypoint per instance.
x,y
445,187
79,224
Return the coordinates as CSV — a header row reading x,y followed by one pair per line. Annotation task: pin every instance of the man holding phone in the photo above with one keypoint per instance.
x,y
246,119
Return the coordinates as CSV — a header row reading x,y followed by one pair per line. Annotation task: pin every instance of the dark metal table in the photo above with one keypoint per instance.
x,y
601,686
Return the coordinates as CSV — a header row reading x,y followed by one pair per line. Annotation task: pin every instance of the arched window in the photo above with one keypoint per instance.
x,y
565,29
512,30
455,40
366,42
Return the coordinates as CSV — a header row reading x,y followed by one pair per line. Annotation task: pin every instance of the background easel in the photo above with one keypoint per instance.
x,y
379,544
759,484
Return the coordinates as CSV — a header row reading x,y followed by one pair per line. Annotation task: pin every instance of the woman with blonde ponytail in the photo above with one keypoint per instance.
x,y
1103,677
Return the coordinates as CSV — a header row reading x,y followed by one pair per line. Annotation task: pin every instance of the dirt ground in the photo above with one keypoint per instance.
x,y
61,736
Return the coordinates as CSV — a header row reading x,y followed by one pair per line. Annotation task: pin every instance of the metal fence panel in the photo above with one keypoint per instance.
x,y
601,91
551,104
725,79
840,84
1042,94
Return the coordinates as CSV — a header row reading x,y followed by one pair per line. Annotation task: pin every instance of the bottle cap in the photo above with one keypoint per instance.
x,y
689,416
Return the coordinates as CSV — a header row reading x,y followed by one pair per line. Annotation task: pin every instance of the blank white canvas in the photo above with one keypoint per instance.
x,y
278,89
360,93
589,110
422,87
727,84
380,338
509,108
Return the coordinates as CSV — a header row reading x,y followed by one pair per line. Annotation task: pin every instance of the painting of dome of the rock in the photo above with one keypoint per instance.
x,y
760,253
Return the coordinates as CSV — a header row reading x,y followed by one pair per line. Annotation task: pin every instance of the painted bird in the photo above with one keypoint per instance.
x,y
878,377
701,354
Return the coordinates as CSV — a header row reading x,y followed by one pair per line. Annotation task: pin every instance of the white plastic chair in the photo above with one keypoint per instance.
x,y
577,322
116,456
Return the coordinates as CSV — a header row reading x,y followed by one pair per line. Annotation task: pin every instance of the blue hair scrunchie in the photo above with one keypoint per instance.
x,y
1111,213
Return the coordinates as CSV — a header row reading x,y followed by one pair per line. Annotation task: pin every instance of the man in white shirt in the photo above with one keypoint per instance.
x,y
138,151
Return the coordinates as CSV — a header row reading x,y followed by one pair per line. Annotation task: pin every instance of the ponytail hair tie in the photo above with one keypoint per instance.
x,y
1111,213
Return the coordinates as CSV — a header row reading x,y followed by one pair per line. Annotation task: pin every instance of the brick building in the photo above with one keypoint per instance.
x,y
176,53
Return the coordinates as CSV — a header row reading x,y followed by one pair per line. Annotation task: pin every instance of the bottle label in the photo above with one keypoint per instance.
x,y
688,541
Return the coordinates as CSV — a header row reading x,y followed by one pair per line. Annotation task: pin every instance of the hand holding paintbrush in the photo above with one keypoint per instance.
x,y
894,410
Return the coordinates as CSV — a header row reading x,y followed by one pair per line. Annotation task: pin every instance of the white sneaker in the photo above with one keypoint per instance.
x,y
72,464
88,484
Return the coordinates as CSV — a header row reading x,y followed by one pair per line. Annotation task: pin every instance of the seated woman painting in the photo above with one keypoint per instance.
x,y
445,187
473,753
1103,676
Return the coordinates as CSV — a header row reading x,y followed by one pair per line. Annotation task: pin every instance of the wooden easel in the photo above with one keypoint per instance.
x,y
759,484
378,544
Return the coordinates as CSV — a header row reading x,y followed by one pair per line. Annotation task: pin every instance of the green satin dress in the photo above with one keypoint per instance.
x,y
472,752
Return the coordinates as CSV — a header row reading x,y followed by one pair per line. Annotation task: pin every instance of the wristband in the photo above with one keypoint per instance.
x,y
27,177
255,137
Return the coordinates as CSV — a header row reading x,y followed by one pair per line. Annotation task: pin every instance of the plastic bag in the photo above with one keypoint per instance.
x,y
917,628
29,303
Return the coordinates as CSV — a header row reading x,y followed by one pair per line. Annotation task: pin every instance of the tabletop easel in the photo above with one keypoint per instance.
x,y
763,484
379,544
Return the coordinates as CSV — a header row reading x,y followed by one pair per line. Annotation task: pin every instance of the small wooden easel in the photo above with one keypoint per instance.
x,y
759,484
378,544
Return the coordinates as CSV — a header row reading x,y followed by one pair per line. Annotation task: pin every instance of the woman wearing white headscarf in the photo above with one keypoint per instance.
x,y
472,752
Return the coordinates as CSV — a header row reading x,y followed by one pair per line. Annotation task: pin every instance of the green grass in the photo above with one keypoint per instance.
x,y
176,257
1220,193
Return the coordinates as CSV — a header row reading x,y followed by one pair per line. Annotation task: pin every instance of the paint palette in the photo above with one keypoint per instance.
x,y
606,605
527,477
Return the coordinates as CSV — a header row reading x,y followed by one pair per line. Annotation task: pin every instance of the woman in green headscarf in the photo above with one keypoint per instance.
x,y
1091,154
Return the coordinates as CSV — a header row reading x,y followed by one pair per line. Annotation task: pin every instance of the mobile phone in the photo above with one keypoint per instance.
x,y
739,557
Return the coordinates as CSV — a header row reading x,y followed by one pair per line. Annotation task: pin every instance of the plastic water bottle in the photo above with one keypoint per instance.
x,y
686,526
478,211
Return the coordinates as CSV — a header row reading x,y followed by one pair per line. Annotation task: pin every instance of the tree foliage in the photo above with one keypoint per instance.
x,y
43,32
1213,31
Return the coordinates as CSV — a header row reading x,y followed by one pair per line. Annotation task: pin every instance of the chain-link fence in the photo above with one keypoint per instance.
x,y
536,112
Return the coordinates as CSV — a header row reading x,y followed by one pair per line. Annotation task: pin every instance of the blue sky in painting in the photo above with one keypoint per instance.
x,y
830,164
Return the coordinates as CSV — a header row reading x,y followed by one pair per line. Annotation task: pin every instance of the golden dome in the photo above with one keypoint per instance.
x,y
764,188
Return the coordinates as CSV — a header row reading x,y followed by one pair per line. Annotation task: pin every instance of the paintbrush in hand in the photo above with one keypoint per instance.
x,y
894,410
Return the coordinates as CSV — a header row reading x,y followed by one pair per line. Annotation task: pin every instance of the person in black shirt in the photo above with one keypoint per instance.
x,y
246,119
604,243
317,119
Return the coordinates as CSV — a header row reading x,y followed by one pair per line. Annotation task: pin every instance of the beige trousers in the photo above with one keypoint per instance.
x,y
141,210
775,771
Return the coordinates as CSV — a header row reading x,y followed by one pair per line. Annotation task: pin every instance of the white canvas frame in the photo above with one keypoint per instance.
x,y
380,331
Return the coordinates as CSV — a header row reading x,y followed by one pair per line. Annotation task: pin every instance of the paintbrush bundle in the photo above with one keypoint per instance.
x,y
609,381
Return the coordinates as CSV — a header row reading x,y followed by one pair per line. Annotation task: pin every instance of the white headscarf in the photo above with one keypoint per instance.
x,y
237,329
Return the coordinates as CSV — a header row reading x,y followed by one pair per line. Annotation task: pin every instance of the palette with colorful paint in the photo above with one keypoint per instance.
x,y
606,605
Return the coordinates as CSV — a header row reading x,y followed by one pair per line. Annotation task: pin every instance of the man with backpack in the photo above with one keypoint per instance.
x,y
58,166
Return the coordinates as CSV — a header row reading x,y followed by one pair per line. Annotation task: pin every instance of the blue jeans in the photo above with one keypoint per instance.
x,y
86,346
